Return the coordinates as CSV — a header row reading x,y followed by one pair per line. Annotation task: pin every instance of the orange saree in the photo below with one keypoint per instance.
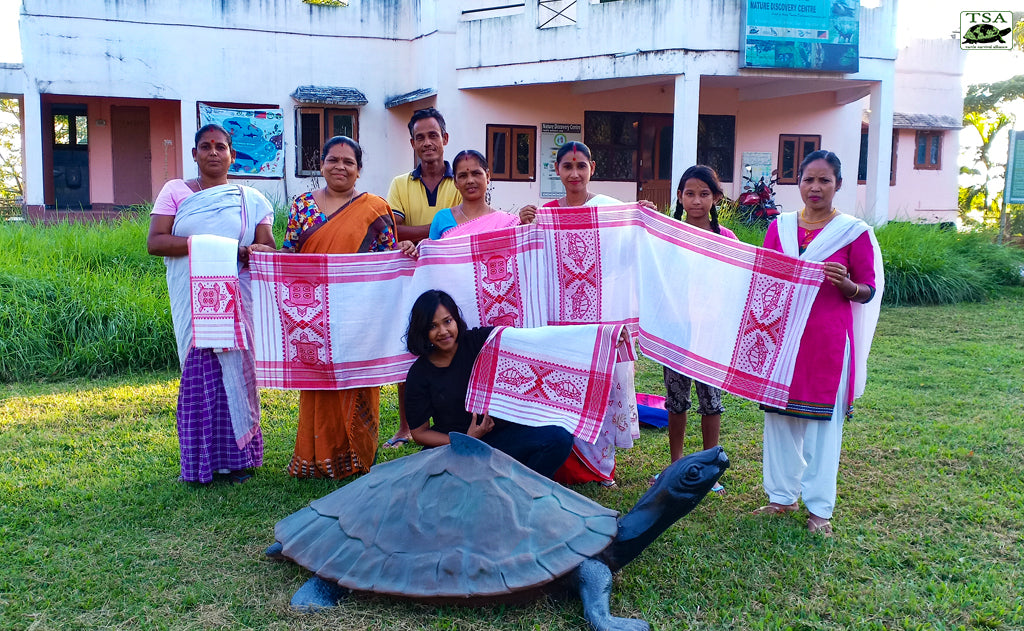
x,y
338,429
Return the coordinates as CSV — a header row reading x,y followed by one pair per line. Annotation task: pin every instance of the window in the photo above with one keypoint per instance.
x,y
716,139
792,150
316,125
70,129
928,152
862,165
614,141
510,152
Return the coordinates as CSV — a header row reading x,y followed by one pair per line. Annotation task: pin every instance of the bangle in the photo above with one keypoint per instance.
x,y
855,294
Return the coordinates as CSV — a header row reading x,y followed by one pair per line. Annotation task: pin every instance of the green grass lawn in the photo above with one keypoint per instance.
x,y
96,533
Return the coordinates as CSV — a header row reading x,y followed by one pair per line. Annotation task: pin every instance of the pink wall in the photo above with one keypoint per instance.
x,y
164,124
759,124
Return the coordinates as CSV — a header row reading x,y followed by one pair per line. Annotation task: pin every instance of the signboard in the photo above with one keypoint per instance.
x,y
801,34
256,135
553,136
1013,193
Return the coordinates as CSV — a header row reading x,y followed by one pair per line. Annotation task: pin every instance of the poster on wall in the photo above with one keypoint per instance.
x,y
757,164
801,34
553,136
257,136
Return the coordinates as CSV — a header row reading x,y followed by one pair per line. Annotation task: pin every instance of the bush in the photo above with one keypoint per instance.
x,y
926,264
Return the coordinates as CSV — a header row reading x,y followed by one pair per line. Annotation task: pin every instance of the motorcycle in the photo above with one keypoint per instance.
x,y
756,204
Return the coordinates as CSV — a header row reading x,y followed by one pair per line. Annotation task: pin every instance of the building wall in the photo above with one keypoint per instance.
x,y
496,70
928,79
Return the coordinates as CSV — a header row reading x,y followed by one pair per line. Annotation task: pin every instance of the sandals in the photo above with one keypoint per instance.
x,y
395,442
819,526
239,477
776,509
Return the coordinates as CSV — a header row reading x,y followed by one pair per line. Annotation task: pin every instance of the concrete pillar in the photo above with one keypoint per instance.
x,y
684,124
32,149
876,198
189,127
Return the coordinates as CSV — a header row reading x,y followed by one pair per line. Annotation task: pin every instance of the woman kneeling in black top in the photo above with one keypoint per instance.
x,y
435,389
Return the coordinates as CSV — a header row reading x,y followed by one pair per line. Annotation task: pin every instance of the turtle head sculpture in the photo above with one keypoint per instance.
x,y
467,524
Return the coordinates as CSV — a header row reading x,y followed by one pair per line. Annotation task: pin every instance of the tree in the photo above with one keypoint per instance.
x,y
11,185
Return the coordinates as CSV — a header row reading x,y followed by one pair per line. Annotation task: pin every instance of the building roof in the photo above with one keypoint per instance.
x,y
903,120
328,95
409,97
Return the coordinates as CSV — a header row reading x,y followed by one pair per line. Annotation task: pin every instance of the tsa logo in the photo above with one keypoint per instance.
x,y
986,30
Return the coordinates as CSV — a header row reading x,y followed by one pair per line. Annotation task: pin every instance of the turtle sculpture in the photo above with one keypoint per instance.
x,y
467,524
985,34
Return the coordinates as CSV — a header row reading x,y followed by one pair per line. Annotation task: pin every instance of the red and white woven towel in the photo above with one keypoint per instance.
x,y
217,319
552,375
726,313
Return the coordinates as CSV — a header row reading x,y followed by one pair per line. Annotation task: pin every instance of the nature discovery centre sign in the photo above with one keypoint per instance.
x,y
801,34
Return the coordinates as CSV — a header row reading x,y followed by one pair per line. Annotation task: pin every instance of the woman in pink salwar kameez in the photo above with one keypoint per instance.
x,y
803,441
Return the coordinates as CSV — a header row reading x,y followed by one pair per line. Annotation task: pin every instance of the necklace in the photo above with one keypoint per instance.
x,y
804,219
199,183
488,210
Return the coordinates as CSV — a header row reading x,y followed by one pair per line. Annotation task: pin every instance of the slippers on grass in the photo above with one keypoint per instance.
x,y
239,477
776,509
819,526
395,442
718,488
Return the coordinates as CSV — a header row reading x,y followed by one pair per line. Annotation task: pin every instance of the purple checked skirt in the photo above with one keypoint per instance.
x,y
204,423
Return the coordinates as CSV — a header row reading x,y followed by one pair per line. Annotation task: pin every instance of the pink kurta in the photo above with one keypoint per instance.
x,y
819,362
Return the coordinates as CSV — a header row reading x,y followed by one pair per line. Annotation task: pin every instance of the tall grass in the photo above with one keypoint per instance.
x,y
81,300
927,265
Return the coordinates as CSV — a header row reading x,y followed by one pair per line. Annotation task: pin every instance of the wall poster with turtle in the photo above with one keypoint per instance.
x,y
801,34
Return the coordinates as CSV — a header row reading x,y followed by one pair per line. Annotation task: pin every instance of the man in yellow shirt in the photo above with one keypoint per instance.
x,y
416,196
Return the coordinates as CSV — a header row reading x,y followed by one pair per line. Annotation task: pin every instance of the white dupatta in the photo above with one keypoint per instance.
x,y
840,232
232,212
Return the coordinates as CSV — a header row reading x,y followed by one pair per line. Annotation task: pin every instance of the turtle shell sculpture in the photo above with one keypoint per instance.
x,y
985,34
468,524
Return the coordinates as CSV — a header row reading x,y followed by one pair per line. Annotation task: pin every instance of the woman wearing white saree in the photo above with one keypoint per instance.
x,y
218,403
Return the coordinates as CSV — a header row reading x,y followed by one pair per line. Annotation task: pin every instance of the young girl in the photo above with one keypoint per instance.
x,y
697,197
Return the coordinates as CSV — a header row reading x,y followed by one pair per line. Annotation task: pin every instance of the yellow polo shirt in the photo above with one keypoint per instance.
x,y
408,197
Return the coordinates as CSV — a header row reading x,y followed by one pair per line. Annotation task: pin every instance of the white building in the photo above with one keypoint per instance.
x,y
111,92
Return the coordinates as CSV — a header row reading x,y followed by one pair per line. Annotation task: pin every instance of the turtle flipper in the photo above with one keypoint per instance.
x,y
594,580
316,593
275,551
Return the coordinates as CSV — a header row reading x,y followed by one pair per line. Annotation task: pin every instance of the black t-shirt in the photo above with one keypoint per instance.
x,y
439,394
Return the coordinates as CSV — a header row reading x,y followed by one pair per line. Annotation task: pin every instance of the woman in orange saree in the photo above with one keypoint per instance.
x,y
338,429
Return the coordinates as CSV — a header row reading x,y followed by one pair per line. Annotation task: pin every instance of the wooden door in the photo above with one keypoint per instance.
x,y
129,132
70,149
654,177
